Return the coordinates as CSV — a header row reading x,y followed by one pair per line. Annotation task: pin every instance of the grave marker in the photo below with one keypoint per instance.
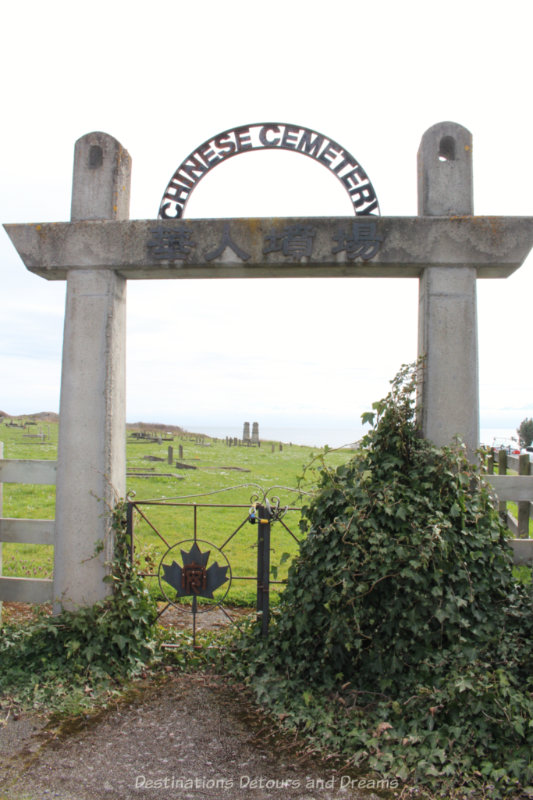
x,y
255,433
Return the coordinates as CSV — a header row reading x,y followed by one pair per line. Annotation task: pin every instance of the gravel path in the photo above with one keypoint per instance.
x,y
191,738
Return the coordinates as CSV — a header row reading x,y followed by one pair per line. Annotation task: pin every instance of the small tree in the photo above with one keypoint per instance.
x,y
525,432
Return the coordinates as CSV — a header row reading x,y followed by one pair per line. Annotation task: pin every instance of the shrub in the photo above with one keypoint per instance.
x,y
525,432
107,641
402,607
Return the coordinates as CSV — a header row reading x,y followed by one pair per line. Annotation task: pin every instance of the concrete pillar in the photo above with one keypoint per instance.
x,y
447,335
91,450
246,432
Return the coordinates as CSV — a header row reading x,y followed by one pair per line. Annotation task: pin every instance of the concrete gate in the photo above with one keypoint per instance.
x,y
445,247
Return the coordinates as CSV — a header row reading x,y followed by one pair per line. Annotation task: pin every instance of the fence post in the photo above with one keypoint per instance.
x,y
263,566
502,470
129,530
524,468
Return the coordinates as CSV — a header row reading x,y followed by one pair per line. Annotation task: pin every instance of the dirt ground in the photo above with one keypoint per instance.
x,y
191,738
172,616
213,619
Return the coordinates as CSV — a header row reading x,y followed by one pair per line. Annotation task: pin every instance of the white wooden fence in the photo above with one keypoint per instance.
x,y
25,531
519,489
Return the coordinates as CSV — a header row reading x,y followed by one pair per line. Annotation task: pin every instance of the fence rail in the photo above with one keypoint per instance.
x,y
26,590
25,531
27,471
516,488
512,487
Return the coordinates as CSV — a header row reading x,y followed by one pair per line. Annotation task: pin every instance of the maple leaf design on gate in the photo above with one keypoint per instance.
x,y
194,578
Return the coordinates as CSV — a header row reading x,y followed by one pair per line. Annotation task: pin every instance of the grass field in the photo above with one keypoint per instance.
x,y
221,476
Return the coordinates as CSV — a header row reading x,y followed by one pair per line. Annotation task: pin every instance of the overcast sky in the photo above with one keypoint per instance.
x,y
164,78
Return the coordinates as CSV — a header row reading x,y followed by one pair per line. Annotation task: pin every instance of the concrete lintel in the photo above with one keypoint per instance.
x,y
494,246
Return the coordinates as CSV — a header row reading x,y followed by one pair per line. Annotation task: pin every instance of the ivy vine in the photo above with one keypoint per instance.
x,y
402,641
54,659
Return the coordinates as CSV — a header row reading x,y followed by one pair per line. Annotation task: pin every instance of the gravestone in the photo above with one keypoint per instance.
x,y
445,247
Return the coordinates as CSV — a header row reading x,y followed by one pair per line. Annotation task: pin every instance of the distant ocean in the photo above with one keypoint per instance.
x,y
490,436
320,437
312,437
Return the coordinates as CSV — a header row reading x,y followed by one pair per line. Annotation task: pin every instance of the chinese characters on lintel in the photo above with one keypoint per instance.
x,y
294,240
358,239
227,241
170,244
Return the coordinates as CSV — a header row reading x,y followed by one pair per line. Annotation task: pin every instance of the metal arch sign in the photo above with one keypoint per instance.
x,y
268,136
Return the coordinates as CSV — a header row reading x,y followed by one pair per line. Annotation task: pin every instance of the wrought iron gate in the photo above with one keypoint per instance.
x,y
192,566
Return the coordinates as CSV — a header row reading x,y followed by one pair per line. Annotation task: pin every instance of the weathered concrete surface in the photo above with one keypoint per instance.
x,y
448,396
91,471
91,449
494,246
101,179
447,339
445,183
